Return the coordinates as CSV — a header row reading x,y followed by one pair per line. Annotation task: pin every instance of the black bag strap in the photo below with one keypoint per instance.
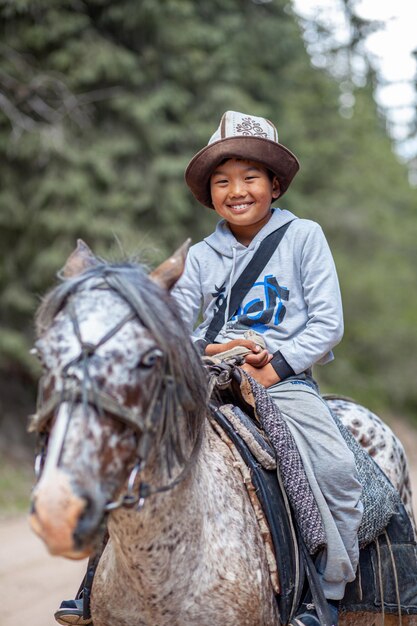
x,y
245,280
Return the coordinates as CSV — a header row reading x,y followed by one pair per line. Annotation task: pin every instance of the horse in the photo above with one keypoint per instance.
x,y
125,439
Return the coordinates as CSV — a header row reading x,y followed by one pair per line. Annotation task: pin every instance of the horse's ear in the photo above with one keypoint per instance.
x,y
167,274
79,261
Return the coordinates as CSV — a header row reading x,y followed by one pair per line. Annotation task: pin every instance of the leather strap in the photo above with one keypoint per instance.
x,y
246,280
317,594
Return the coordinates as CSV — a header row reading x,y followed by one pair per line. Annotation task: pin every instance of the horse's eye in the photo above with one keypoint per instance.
x,y
151,358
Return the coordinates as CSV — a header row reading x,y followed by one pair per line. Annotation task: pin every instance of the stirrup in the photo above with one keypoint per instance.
x,y
70,613
309,617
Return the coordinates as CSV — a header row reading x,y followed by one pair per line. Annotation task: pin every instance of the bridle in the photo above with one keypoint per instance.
x,y
87,393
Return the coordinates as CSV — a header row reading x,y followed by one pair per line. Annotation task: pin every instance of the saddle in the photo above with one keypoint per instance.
x,y
386,579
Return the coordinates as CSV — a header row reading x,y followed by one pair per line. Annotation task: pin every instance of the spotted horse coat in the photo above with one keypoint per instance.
x,y
379,442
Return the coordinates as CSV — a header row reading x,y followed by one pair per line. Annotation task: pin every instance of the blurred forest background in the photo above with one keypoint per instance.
x,y
103,103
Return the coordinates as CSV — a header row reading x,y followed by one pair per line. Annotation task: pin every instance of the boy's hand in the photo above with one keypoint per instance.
x,y
265,375
258,360
216,348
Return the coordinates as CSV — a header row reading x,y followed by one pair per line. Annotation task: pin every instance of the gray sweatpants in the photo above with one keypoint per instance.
x,y
330,469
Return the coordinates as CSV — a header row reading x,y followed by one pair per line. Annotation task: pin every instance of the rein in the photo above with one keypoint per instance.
x,y
87,393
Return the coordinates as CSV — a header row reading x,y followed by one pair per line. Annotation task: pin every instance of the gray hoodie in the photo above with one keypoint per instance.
x,y
295,303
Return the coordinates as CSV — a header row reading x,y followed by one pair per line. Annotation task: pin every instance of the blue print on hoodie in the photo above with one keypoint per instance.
x,y
259,313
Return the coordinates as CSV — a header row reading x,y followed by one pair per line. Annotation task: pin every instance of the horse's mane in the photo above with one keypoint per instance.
x,y
158,312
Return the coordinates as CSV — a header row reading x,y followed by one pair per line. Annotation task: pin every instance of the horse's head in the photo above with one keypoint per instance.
x,y
114,355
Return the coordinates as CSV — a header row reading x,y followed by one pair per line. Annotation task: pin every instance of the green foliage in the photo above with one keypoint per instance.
x,y
15,487
104,103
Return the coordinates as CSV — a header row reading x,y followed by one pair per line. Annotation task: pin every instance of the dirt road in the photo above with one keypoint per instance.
x,y
33,583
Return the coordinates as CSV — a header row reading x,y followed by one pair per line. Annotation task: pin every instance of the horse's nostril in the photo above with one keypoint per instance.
x,y
89,514
89,506
88,522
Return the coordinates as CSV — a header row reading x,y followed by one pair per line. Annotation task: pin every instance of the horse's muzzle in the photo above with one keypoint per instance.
x,y
64,520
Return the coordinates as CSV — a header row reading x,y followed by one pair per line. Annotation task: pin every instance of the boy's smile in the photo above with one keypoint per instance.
x,y
242,192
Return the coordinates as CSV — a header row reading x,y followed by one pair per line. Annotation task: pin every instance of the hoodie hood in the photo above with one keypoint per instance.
x,y
224,242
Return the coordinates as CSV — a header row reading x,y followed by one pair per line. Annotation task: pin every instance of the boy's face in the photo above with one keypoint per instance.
x,y
242,192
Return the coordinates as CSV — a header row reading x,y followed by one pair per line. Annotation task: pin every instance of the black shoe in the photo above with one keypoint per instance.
x,y
71,612
308,616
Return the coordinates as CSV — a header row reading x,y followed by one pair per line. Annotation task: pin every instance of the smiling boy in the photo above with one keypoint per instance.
x,y
295,304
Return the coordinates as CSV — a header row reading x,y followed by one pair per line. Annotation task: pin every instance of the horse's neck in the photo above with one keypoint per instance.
x,y
207,502
168,519
201,535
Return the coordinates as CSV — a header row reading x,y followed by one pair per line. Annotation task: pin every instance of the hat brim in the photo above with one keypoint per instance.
x,y
273,155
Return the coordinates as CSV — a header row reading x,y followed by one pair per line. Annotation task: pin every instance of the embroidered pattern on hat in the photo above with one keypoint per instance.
x,y
250,127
